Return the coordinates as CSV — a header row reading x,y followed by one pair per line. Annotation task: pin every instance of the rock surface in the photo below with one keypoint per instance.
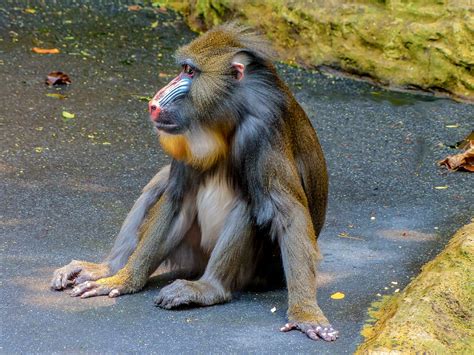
x,y
434,313
422,44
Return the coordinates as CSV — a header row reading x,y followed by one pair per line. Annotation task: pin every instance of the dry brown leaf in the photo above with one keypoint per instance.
x,y
58,78
134,8
45,50
461,161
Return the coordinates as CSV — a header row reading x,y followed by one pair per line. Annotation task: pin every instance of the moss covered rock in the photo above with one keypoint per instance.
x,y
408,44
434,314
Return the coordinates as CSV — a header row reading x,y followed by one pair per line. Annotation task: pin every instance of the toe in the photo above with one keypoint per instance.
x,y
328,333
312,334
91,293
56,282
82,288
114,293
288,326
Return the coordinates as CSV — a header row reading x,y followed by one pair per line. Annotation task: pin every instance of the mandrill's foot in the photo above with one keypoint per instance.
x,y
111,286
77,272
311,321
314,331
184,293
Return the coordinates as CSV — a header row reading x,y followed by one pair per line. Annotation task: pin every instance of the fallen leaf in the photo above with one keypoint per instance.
x,y
106,143
441,187
142,98
57,96
45,50
134,8
68,115
338,296
30,11
39,149
346,235
456,125
154,24
57,78
273,310
461,161
163,75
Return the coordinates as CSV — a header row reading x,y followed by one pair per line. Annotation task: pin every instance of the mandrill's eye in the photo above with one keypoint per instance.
x,y
188,70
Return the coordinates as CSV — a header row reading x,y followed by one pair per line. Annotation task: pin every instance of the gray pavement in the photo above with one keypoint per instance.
x,y
68,184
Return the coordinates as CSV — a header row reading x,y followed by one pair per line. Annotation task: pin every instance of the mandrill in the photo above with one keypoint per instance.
x,y
243,200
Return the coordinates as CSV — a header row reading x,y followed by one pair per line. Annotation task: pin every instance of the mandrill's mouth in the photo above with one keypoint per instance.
x,y
167,126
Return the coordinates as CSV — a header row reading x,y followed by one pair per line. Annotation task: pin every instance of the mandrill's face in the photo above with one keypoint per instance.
x,y
167,108
196,113
182,128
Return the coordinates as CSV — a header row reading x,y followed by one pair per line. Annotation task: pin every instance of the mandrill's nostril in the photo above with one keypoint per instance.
x,y
153,107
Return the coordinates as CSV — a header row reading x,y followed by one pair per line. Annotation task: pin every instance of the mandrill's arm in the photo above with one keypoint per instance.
x,y
163,230
293,226
77,272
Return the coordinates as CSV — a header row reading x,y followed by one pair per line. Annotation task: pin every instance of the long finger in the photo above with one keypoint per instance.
x,y
82,288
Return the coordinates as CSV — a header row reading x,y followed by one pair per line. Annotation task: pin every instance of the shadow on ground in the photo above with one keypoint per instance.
x,y
67,185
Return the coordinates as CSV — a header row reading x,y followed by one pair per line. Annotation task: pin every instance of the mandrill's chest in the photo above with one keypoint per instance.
x,y
214,200
201,148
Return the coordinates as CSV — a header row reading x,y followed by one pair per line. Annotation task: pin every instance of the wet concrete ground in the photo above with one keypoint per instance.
x,y
67,185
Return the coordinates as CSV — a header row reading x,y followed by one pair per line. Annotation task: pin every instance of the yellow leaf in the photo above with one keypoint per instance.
x,y
456,125
68,115
56,96
154,24
338,296
30,11
38,149
441,187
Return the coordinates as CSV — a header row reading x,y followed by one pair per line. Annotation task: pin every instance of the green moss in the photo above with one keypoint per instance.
x,y
434,313
427,44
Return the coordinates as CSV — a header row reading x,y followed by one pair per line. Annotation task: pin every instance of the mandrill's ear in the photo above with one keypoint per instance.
x,y
239,62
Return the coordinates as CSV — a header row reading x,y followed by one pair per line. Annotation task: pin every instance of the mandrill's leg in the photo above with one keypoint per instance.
x,y
162,232
231,264
77,272
299,251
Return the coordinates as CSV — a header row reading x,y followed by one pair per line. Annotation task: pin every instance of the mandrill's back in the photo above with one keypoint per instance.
x,y
309,159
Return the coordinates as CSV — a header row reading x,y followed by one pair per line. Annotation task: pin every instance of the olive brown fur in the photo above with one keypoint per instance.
x,y
243,200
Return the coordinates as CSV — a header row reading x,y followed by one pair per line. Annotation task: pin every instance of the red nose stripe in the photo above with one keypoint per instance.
x,y
154,111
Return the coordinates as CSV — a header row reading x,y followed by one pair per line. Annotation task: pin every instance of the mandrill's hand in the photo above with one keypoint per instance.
x,y
112,286
312,323
77,272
